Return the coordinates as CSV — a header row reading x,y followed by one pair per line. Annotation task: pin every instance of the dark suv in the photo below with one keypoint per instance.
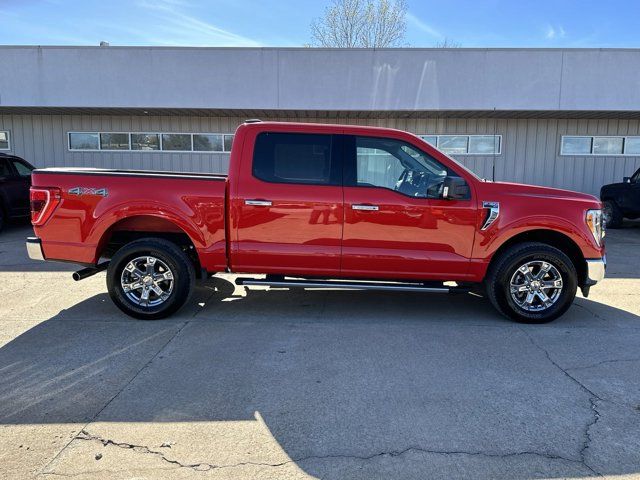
x,y
621,200
15,180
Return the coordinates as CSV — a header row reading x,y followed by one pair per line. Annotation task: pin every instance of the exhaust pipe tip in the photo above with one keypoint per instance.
x,y
89,271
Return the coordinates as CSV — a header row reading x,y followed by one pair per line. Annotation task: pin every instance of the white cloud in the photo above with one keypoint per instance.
x,y
555,32
426,28
182,29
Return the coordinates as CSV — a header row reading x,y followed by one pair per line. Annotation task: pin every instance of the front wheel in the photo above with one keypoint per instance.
x,y
150,278
532,283
612,214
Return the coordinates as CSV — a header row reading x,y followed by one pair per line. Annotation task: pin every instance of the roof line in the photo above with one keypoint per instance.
x,y
311,49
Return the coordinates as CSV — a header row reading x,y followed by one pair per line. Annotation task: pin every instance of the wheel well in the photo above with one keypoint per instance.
x,y
554,239
145,226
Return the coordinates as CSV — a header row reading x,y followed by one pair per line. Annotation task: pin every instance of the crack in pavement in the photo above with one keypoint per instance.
x,y
205,466
153,357
593,399
599,317
615,360
587,434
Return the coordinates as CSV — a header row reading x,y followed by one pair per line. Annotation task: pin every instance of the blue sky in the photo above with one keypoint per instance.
x,y
490,23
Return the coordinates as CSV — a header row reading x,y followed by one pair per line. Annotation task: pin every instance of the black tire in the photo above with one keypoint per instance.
x,y
612,214
181,268
504,267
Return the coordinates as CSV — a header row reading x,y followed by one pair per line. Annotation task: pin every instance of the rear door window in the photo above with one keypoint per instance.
x,y
296,158
22,169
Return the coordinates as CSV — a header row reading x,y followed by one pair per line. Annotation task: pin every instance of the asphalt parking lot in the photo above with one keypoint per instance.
x,y
316,384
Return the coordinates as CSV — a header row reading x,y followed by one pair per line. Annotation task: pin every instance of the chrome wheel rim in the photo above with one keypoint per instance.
x,y
147,281
536,286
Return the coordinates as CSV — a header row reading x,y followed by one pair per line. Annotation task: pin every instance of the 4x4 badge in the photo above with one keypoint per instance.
x,y
103,192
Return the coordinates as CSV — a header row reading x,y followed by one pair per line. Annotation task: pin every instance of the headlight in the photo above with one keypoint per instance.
x,y
594,222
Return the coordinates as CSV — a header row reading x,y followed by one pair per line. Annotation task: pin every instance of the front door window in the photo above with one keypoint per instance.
x,y
398,166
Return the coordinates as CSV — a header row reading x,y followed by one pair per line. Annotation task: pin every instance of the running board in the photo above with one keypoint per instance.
x,y
398,287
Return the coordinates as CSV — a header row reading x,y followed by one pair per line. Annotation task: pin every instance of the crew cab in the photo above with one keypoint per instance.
x,y
621,200
321,206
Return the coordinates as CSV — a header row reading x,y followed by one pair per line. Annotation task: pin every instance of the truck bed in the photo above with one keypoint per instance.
x,y
97,203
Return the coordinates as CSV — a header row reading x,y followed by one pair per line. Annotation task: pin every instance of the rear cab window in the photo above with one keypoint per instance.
x,y
301,158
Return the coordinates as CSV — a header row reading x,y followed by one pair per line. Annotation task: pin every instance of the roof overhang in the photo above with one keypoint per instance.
x,y
378,82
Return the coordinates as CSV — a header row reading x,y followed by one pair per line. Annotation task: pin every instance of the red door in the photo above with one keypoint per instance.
x,y
397,225
288,206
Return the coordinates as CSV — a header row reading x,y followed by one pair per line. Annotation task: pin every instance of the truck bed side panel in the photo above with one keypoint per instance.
x,y
82,222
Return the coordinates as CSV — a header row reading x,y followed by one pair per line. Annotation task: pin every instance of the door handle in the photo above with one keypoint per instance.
x,y
370,208
258,203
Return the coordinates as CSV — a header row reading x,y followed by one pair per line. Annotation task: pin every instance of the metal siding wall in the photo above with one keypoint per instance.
x,y
530,148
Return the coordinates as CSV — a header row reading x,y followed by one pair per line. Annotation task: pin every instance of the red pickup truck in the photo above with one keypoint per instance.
x,y
321,206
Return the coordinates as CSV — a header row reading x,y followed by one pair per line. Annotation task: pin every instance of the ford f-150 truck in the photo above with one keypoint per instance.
x,y
321,206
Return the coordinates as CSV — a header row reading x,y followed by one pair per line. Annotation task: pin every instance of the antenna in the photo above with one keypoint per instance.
x,y
495,135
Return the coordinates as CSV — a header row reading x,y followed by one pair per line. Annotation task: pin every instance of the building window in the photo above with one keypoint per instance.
x,y
228,141
4,140
601,145
607,145
466,144
114,141
430,139
576,145
84,141
204,142
129,141
632,146
145,141
176,142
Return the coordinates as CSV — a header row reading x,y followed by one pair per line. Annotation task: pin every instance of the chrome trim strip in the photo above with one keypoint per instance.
x,y
494,212
34,248
369,208
258,203
130,173
596,268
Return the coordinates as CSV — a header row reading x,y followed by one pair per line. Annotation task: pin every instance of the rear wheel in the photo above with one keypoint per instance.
x,y
612,214
150,278
532,283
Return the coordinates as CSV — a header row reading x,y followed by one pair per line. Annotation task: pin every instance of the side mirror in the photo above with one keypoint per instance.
x,y
626,179
455,188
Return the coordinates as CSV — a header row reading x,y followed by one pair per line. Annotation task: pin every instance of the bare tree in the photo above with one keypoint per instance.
x,y
447,43
361,23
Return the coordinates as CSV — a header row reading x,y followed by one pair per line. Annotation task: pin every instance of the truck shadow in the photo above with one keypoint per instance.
x,y
333,374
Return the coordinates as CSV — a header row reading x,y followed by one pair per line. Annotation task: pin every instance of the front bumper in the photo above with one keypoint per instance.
x,y
34,248
595,270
